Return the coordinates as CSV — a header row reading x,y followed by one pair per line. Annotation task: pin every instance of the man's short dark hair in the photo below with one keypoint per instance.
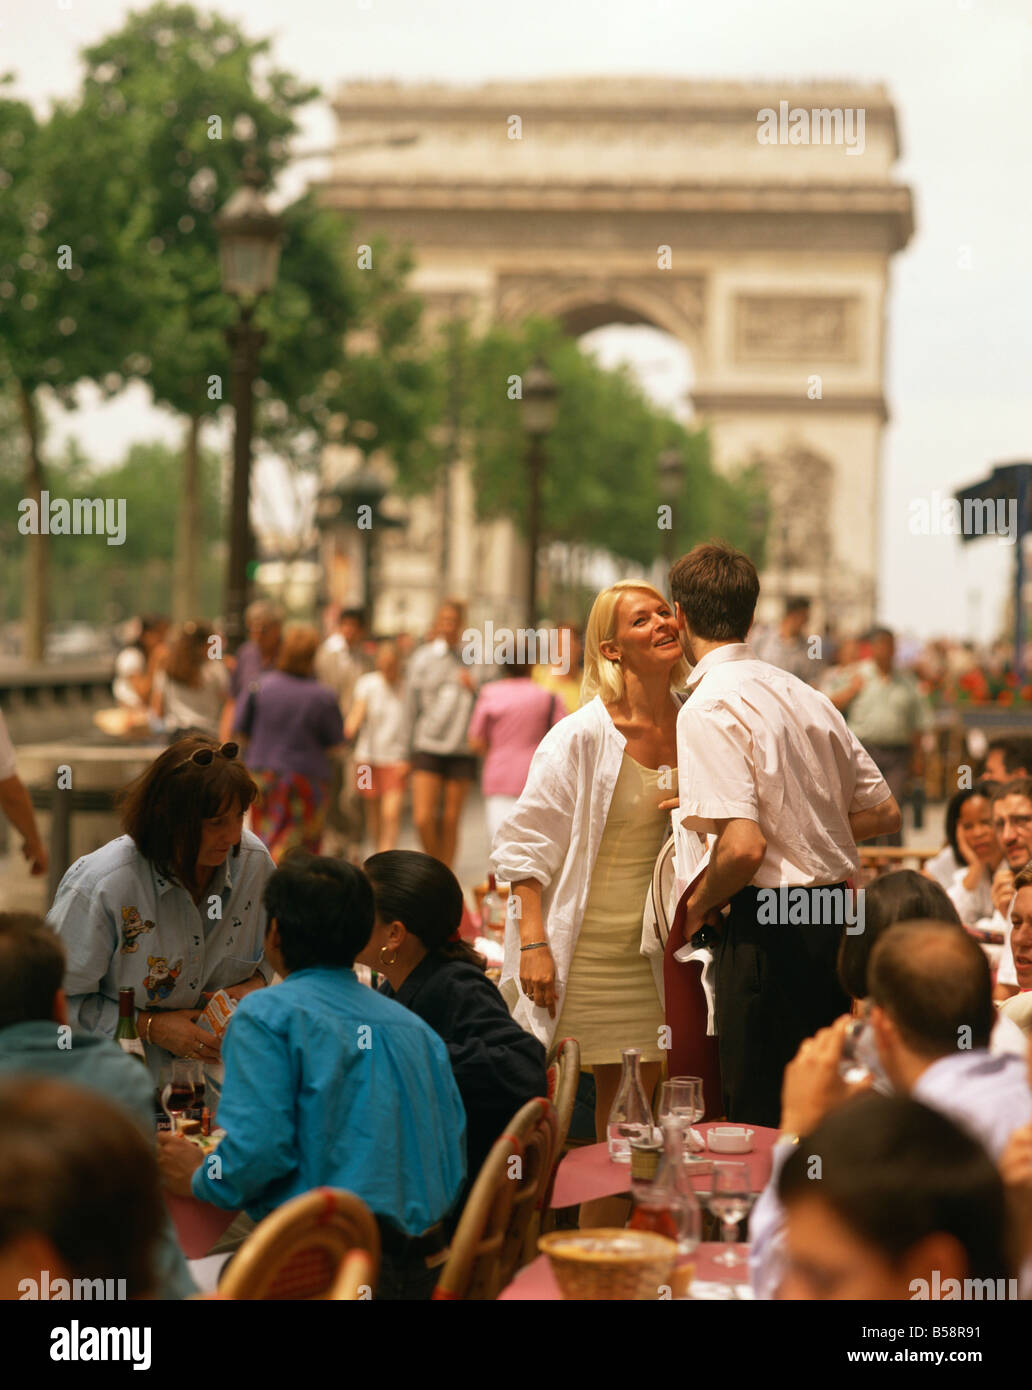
x,y
717,588
1017,754
32,966
797,604
357,615
934,984
323,908
1019,786
76,1170
895,1172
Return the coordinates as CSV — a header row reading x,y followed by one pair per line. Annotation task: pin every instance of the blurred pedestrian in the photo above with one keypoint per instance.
x,y
264,622
339,663
510,718
136,664
290,726
191,688
785,645
440,693
380,761
564,679
888,715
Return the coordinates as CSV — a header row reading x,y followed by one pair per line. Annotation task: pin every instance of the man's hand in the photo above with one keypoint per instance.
x,y
1003,888
178,1160
670,805
695,921
176,1031
812,1084
1016,1171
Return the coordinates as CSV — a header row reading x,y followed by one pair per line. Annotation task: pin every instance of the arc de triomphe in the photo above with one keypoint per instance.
x,y
664,202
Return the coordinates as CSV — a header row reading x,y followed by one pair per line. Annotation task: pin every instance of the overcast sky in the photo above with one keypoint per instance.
x,y
960,350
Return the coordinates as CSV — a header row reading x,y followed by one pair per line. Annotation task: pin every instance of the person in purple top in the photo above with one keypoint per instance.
x,y
292,727
255,657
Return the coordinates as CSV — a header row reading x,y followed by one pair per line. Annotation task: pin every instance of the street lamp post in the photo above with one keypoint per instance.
x,y
669,466
249,247
539,406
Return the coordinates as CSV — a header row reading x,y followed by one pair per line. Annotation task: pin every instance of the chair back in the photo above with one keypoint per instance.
x,y
302,1250
489,1242
566,1069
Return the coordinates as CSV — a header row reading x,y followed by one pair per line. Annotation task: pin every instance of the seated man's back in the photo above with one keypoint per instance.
x,y
330,1084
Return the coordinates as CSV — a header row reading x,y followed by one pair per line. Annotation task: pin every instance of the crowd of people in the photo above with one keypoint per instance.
x,y
681,741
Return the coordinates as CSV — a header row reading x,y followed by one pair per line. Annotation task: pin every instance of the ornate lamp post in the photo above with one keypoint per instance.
x,y
669,466
249,248
538,413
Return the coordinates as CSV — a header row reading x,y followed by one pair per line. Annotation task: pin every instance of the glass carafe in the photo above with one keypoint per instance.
x,y
630,1116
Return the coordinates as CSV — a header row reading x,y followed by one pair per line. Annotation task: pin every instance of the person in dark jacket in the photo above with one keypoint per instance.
x,y
35,1040
497,1065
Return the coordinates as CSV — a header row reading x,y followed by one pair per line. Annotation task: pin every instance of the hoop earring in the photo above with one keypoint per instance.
x,y
383,956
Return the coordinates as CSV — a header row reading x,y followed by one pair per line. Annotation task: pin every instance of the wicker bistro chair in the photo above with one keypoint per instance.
x,y
308,1249
490,1240
563,1079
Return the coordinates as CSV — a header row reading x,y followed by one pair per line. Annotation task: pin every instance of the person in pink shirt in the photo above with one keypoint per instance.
x,y
509,720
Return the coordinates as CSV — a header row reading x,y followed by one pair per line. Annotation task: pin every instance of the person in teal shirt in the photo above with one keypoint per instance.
x,y
328,1083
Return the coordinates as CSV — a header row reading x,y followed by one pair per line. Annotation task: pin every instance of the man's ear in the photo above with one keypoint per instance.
x,y
938,1252
679,615
272,936
59,1008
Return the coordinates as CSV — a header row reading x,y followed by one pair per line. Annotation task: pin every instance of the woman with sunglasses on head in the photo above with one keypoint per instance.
x,y
173,907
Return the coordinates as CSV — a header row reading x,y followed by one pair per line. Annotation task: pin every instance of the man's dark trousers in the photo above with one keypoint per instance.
x,y
775,986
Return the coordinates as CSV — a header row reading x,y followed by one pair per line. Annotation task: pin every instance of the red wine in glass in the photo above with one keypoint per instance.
x,y
180,1098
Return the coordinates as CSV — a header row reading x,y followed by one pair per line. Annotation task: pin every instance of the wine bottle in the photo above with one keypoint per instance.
x,y
125,1034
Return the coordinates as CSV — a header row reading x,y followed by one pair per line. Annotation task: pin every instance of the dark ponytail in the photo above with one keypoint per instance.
x,y
424,895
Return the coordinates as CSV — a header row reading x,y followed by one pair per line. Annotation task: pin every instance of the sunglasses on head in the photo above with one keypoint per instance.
x,y
204,757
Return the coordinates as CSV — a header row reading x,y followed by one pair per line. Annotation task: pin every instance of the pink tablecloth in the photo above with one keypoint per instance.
x,y
198,1224
588,1173
536,1282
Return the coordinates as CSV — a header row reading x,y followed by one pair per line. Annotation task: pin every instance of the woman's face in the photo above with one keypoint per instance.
x,y
218,836
646,633
1021,936
976,821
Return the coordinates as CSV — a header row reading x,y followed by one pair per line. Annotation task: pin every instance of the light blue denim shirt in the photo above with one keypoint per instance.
x,y
329,1083
123,923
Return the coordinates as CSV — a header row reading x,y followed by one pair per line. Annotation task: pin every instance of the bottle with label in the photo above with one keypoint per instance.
x,y
630,1117
492,913
125,1034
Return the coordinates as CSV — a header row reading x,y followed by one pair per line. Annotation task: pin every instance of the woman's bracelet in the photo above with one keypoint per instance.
x,y
146,1031
533,945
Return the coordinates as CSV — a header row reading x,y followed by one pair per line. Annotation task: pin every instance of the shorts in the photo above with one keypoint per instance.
x,y
383,777
454,767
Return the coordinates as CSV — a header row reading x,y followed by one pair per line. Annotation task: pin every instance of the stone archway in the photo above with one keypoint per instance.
x,y
647,200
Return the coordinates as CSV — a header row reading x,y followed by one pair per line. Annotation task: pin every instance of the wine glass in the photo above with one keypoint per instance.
x,y
681,1100
730,1198
178,1093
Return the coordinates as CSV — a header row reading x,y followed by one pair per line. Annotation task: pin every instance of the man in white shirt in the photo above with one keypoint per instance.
x,y
932,1017
768,766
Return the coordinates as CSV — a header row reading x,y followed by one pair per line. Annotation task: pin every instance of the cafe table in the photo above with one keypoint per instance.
x,y
588,1173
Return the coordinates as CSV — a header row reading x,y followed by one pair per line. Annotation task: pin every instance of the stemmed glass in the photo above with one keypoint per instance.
x,y
681,1100
178,1094
730,1198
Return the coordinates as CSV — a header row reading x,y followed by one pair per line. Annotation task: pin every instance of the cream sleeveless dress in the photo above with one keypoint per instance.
x,y
610,1000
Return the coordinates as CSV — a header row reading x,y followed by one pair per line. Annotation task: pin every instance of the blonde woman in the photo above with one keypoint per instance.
x,y
580,846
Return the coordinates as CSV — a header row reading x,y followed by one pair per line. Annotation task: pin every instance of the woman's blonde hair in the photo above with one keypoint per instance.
x,y
602,676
